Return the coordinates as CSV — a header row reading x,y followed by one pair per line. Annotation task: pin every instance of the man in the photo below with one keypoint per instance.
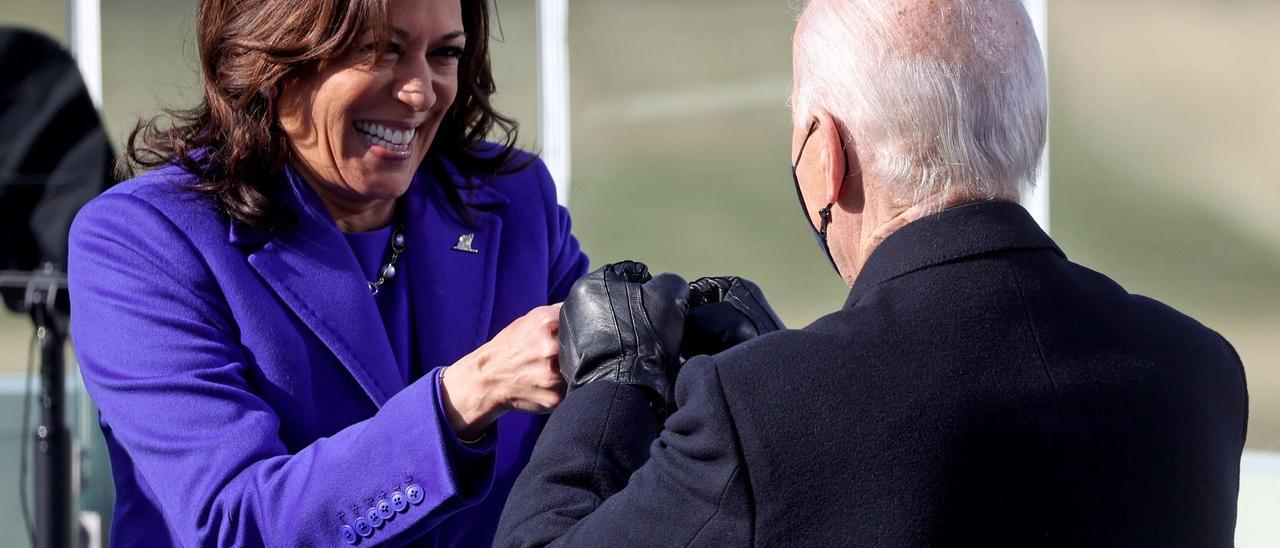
x,y
977,388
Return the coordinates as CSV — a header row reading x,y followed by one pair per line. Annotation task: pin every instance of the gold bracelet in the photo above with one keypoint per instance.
x,y
440,379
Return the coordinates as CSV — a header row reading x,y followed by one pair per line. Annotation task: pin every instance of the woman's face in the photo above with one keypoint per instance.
x,y
358,131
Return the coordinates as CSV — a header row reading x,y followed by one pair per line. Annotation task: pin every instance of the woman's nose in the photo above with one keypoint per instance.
x,y
416,91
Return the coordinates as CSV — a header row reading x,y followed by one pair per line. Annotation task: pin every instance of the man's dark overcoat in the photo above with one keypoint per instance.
x,y
977,388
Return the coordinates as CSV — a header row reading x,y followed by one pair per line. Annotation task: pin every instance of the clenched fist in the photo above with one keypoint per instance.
x,y
725,311
619,324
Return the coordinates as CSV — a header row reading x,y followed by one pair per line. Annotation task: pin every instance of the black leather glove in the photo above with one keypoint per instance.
x,y
620,324
725,311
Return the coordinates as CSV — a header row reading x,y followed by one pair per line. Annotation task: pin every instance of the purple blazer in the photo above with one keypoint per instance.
x,y
247,388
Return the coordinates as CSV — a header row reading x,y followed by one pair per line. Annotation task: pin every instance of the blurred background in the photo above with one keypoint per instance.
x,y
1164,132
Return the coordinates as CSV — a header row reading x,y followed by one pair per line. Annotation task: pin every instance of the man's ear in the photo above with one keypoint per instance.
x,y
831,155
842,172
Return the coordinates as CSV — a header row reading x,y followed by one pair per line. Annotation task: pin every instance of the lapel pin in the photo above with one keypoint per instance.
x,y
464,243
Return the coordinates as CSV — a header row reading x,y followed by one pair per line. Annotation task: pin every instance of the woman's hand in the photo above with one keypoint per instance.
x,y
518,369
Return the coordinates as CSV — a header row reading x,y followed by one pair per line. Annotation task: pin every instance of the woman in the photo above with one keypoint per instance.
x,y
284,324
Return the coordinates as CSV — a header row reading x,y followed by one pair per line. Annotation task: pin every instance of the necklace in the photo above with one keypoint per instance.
x,y
388,270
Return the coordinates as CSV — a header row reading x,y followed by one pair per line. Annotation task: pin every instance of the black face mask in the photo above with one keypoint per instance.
x,y
819,234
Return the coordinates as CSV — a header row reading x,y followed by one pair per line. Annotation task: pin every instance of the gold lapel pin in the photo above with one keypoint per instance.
x,y
464,243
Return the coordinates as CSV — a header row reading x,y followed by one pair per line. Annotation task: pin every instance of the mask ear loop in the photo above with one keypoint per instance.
x,y
825,213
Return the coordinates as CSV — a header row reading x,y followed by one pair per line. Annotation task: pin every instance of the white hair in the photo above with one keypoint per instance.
x,y
943,97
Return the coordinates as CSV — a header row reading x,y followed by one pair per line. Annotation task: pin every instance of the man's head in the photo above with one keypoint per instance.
x,y
911,106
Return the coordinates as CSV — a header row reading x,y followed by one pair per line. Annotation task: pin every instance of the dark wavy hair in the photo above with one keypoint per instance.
x,y
248,48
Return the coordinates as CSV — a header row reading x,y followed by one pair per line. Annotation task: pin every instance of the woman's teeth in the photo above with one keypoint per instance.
x,y
395,140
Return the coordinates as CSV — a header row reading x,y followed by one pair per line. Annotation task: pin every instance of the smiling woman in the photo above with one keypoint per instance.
x,y
266,318
362,124
254,53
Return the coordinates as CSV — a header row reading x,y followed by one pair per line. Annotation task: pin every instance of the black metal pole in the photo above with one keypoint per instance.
x,y
53,441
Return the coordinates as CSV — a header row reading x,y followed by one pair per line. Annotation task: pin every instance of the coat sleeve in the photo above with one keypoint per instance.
x,y
567,261
598,476
159,354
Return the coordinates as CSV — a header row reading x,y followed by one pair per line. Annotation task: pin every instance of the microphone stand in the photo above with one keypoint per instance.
x,y
52,439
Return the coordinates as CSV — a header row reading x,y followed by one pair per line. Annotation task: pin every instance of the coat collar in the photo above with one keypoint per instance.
x,y
311,268
956,233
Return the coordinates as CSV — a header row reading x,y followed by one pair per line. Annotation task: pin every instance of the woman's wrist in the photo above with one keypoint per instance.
x,y
468,401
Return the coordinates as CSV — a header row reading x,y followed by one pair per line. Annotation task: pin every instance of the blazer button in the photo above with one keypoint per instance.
x,y
363,528
398,501
349,535
385,511
373,517
414,494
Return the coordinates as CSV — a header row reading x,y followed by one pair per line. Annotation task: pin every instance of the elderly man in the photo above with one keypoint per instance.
x,y
976,388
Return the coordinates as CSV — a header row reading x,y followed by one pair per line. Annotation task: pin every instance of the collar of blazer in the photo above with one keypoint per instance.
x,y
313,271
955,233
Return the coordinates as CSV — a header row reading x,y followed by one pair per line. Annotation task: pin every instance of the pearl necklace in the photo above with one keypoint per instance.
x,y
388,270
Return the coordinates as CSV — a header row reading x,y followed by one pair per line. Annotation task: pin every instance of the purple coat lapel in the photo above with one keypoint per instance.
x,y
313,271
452,289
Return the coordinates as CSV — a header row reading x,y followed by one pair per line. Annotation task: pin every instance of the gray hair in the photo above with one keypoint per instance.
x,y
943,97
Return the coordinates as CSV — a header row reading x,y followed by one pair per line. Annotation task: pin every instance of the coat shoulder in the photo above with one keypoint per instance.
x,y
523,180
788,351
167,191
157,215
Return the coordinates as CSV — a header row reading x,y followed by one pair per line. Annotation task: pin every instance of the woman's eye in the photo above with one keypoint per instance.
x,y
449,52
370,48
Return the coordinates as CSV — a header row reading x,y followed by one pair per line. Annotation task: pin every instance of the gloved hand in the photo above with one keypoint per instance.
x,y
619,324
725,311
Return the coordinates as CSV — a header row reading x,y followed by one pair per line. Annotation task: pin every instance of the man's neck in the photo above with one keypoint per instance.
x,y
881,220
